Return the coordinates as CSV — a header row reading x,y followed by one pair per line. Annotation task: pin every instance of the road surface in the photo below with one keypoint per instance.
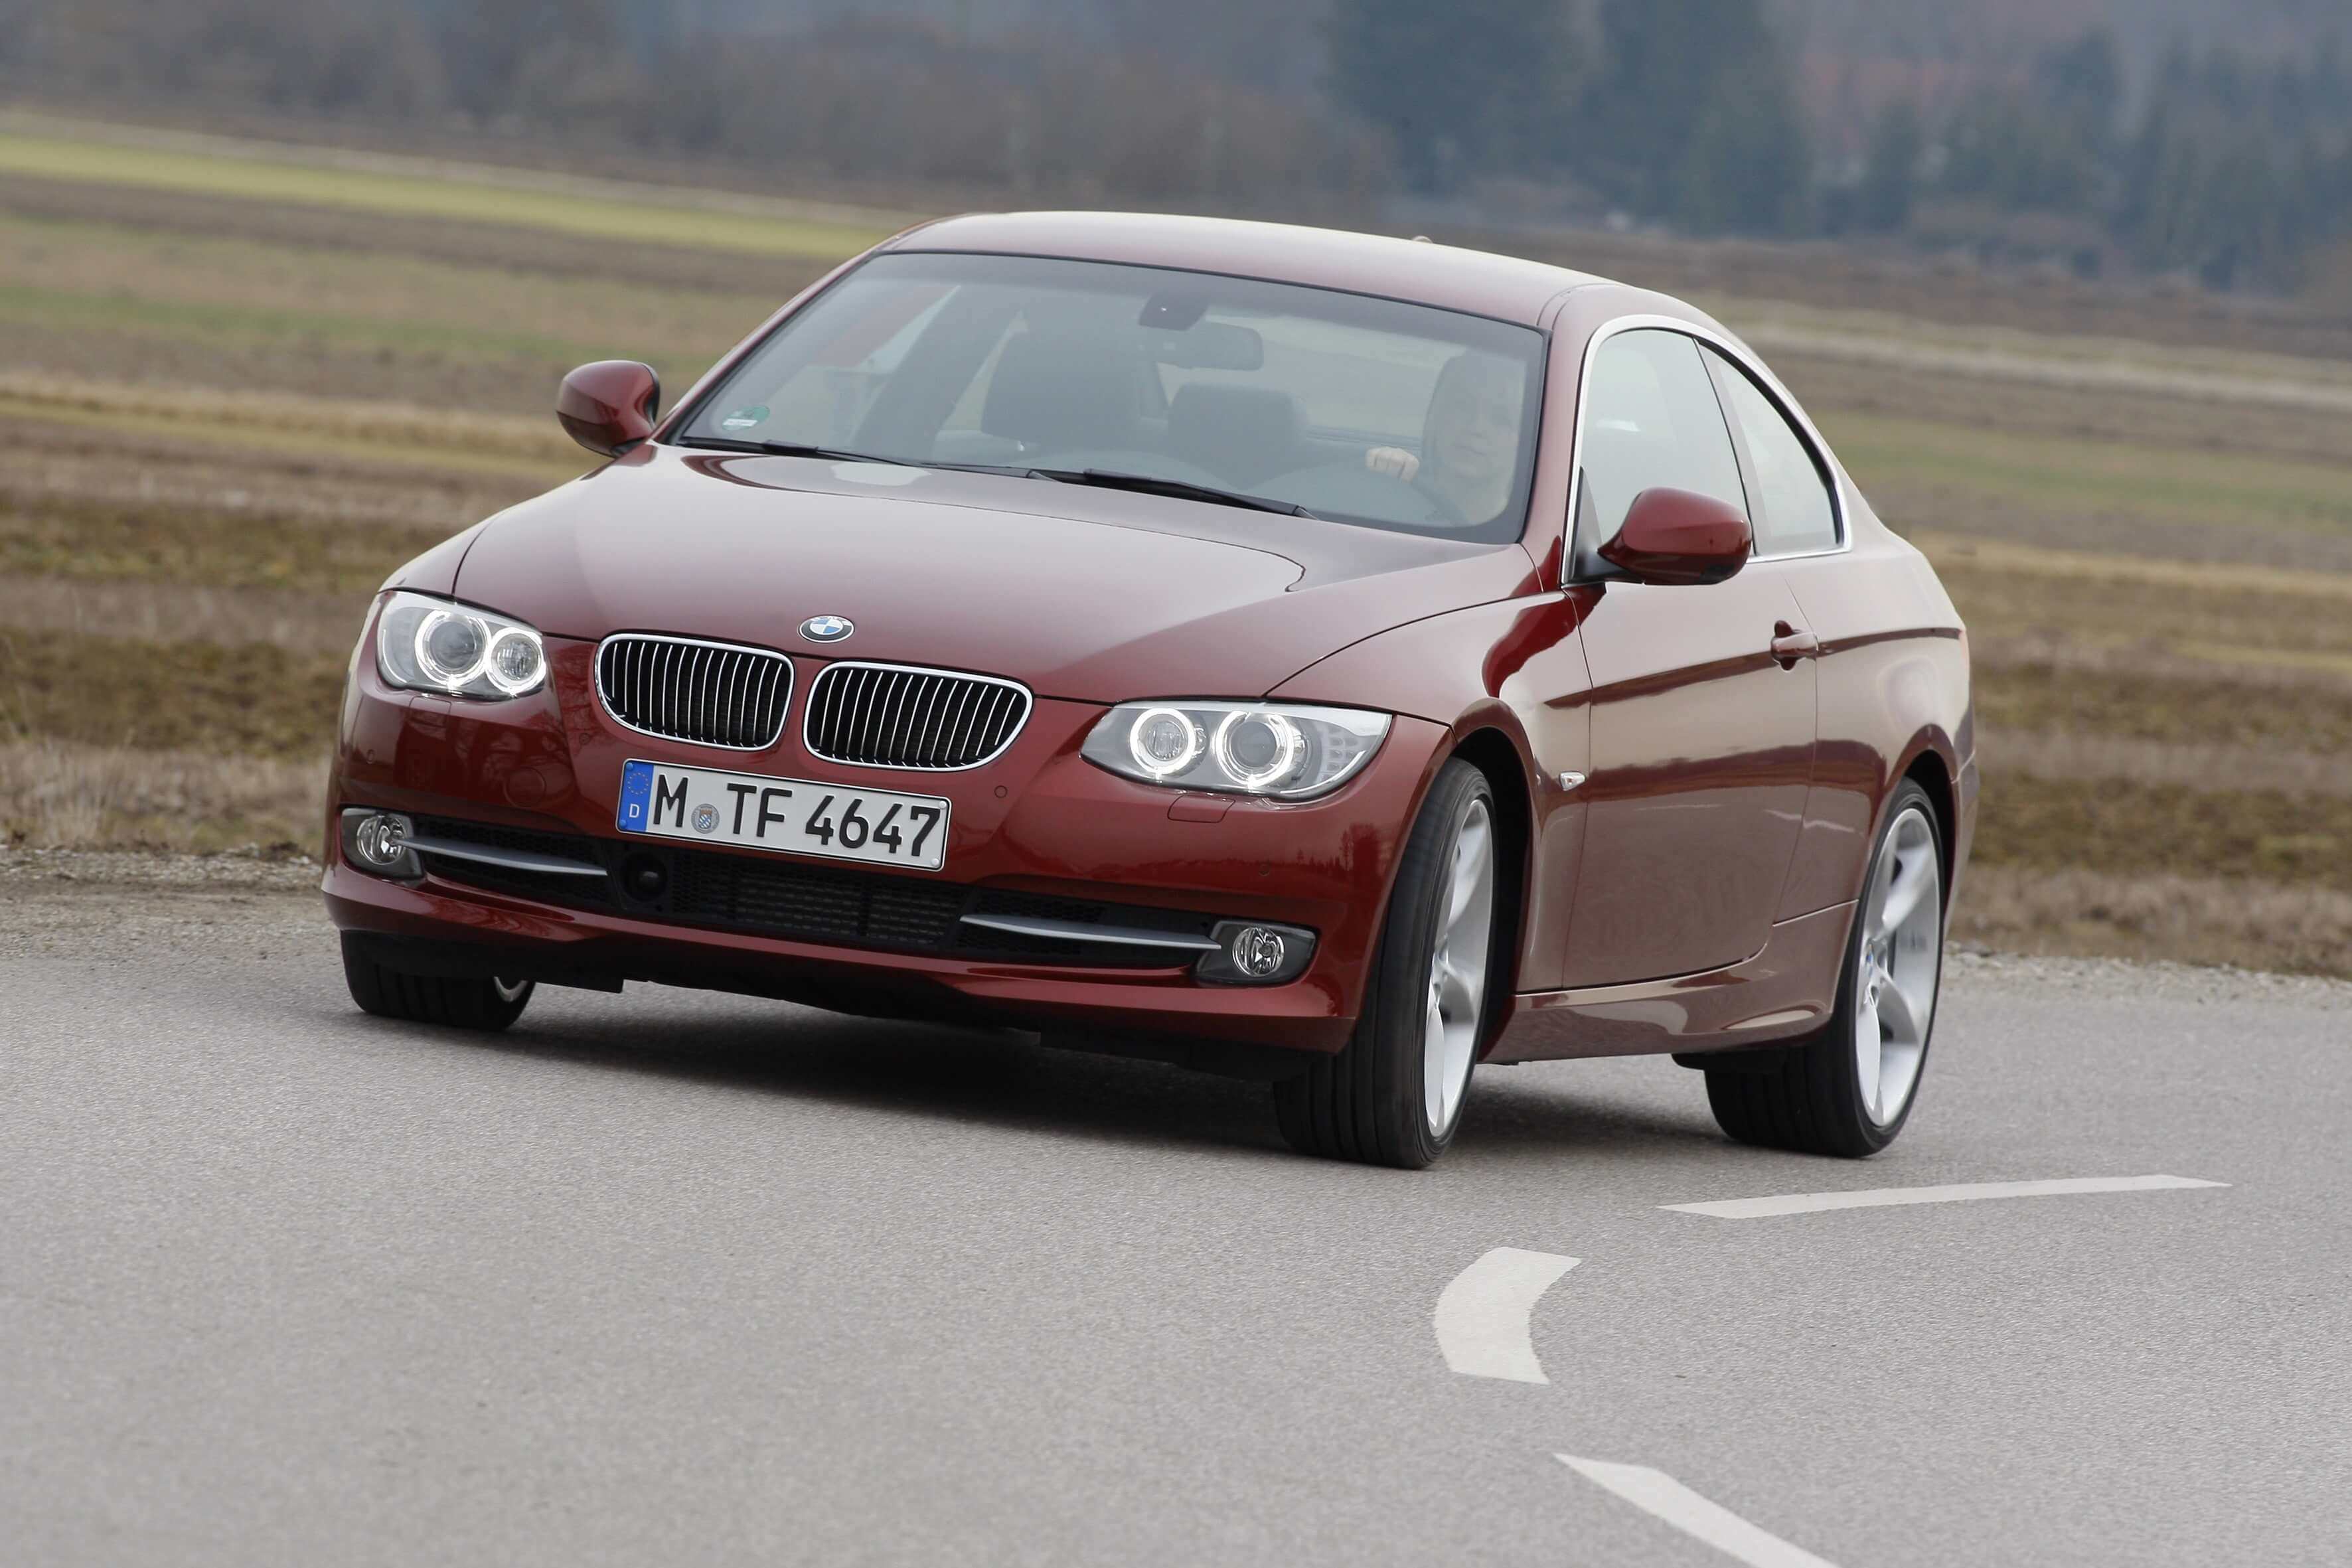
x,y
672,1277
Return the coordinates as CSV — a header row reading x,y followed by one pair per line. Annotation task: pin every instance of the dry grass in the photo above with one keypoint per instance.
x,y
75,465
59,794
2134,827
310,624
2205,708
186,547
1831,387
2193,919
407,433
182,696
2074,756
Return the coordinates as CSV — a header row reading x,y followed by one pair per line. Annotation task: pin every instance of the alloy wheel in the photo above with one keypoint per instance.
x,y
1900,967
1458,968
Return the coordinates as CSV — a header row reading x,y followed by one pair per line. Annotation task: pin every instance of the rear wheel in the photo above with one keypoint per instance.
x,y
458,1001
1848,1089
1395,1095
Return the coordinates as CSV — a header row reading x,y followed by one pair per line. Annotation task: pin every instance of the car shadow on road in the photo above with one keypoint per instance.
x,y
1005,1078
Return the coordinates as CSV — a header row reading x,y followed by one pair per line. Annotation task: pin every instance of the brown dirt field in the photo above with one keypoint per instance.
x,y
1851,277
472,245
2190,919
102,540
220,698
57,793
1829,386
2079,758
83,464
2130,827
2175,707
297,620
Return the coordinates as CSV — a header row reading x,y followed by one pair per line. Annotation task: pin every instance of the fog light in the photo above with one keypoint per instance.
x,y
1254,953
377,841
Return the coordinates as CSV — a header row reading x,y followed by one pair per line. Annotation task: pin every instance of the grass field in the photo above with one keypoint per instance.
x,y
248,382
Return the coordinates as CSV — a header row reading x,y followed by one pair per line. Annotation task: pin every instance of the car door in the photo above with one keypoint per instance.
x,y
1800,521
1702,738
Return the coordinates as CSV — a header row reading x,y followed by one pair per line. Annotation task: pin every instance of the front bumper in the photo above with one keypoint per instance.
x,y
1037,823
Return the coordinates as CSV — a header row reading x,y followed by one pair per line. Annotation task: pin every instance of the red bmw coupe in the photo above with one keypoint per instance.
x,y
1335,660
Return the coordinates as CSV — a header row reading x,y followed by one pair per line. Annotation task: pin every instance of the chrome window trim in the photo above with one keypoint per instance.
x,y
808,744
1741,358
784,706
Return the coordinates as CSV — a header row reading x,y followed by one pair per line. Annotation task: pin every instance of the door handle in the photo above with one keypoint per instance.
x,y
1790,645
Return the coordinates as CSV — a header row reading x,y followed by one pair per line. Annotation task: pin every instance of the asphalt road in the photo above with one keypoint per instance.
x,y
672,1277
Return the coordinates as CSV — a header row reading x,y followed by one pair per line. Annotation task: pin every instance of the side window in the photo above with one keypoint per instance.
x,y
1651,418
1794,498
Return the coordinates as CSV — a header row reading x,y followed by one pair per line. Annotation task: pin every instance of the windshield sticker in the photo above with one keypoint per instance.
x,y
746,418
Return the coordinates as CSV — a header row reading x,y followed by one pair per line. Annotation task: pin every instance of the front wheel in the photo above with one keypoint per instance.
x,y
1848,1089
1394,1095
459,1002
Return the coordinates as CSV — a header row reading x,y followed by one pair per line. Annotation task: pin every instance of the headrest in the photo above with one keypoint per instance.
x,y
1059,391
1242,433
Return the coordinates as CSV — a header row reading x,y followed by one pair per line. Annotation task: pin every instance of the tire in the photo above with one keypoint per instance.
x,y
1394,1095
1811,1096
456,1002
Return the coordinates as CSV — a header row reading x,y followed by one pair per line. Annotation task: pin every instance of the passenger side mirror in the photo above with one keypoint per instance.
x,y
1674,536
609,406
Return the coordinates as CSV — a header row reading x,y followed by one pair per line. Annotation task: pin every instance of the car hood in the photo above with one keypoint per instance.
x,y
1094,595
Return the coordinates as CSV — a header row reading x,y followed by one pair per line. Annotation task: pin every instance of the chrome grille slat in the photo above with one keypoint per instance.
x,y
906,715
686,688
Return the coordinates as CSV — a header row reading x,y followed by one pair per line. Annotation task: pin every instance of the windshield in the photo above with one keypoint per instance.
x,y
1354,409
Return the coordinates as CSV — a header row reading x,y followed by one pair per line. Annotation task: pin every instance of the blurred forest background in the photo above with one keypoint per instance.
x,y
286,287
2212,138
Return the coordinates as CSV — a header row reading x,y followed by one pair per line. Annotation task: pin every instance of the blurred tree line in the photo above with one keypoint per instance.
x,y
1707,116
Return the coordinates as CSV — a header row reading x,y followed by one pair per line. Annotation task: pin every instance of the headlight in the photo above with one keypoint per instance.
x,y
1244,748
432,645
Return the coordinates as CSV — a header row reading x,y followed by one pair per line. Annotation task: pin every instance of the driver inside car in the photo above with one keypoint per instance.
x,y
1470,438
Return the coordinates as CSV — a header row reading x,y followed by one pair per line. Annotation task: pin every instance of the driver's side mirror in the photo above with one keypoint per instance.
x,y
1673,536
609,406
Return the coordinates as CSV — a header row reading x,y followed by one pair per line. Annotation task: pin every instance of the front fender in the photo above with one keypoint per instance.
x,y
1505,678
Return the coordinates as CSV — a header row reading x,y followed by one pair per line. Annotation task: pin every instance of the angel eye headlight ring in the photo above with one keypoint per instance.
x,y
434,669
1163,723
1289,746
514,661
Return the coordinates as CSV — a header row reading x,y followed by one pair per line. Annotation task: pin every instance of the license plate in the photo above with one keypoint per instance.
x,y
797,817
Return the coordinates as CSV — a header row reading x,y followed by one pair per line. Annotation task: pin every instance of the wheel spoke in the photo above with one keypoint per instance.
x,y
1897,1015
1433,1063
1911,878
1868,1051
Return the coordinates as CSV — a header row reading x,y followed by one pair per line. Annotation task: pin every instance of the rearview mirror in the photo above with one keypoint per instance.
x,y
609,406
1673,536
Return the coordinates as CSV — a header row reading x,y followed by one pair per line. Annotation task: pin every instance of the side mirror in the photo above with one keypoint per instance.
x,y
1680,537
608,407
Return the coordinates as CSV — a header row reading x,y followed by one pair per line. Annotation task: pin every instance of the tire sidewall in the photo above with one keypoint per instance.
x,y
1395,1027
1843,1020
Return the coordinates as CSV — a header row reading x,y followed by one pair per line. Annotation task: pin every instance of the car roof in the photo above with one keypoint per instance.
x,y
1508,288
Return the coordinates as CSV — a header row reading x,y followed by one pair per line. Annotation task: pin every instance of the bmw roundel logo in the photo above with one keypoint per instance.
x,y
826,628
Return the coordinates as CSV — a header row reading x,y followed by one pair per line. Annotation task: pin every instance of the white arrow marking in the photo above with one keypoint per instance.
x,y
1658,1494
1885,1197
1482,1316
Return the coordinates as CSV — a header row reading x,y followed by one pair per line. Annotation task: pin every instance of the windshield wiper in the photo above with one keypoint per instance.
x,y
836,454
1182,490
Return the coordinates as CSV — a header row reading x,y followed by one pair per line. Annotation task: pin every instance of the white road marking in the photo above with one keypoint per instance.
x,y
1886,1197
1658,1494
1481,1315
